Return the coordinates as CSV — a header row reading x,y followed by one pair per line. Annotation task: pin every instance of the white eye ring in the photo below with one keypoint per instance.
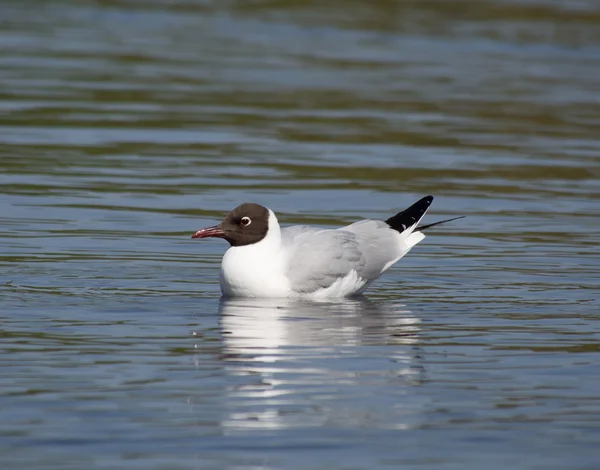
x,y
246,221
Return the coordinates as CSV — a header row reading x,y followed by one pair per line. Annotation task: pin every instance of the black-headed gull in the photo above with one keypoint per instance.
x,y
265,260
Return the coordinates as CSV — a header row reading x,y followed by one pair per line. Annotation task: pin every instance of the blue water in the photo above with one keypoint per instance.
x,y
127,126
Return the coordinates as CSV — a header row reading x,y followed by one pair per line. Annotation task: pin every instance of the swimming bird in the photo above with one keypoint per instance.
x,y
265,260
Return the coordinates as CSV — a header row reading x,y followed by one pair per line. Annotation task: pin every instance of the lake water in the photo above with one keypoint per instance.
x,y
127,125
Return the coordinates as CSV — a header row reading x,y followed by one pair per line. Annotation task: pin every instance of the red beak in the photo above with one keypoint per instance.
x,y
215,231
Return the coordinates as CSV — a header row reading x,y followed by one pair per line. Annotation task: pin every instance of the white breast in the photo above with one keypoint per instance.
x,y
256,270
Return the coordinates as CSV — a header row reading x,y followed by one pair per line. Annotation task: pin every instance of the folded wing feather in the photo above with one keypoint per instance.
x,y
319,257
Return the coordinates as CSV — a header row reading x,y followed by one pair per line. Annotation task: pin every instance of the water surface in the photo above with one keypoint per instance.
x,y
125,126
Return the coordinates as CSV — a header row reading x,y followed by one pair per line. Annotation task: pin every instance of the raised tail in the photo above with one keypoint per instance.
x,y
406,221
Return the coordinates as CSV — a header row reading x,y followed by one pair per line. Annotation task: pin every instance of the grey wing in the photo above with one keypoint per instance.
x,y
318,257
380,245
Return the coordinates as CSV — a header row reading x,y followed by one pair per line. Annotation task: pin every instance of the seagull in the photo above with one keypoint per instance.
x,y
267,261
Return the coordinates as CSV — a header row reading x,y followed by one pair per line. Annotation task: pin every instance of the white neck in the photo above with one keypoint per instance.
x,y
272,240
255,270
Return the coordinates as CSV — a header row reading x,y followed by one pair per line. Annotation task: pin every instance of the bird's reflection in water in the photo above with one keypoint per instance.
x,y
298,363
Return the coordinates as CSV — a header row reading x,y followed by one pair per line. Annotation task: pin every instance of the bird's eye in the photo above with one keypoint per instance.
x,y
246,221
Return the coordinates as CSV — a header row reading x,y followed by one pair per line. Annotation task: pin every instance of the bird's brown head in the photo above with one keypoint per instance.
x,y
245,225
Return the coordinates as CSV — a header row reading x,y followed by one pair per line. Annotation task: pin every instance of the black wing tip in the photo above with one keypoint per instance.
x,y
411,216
425,227
424,200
